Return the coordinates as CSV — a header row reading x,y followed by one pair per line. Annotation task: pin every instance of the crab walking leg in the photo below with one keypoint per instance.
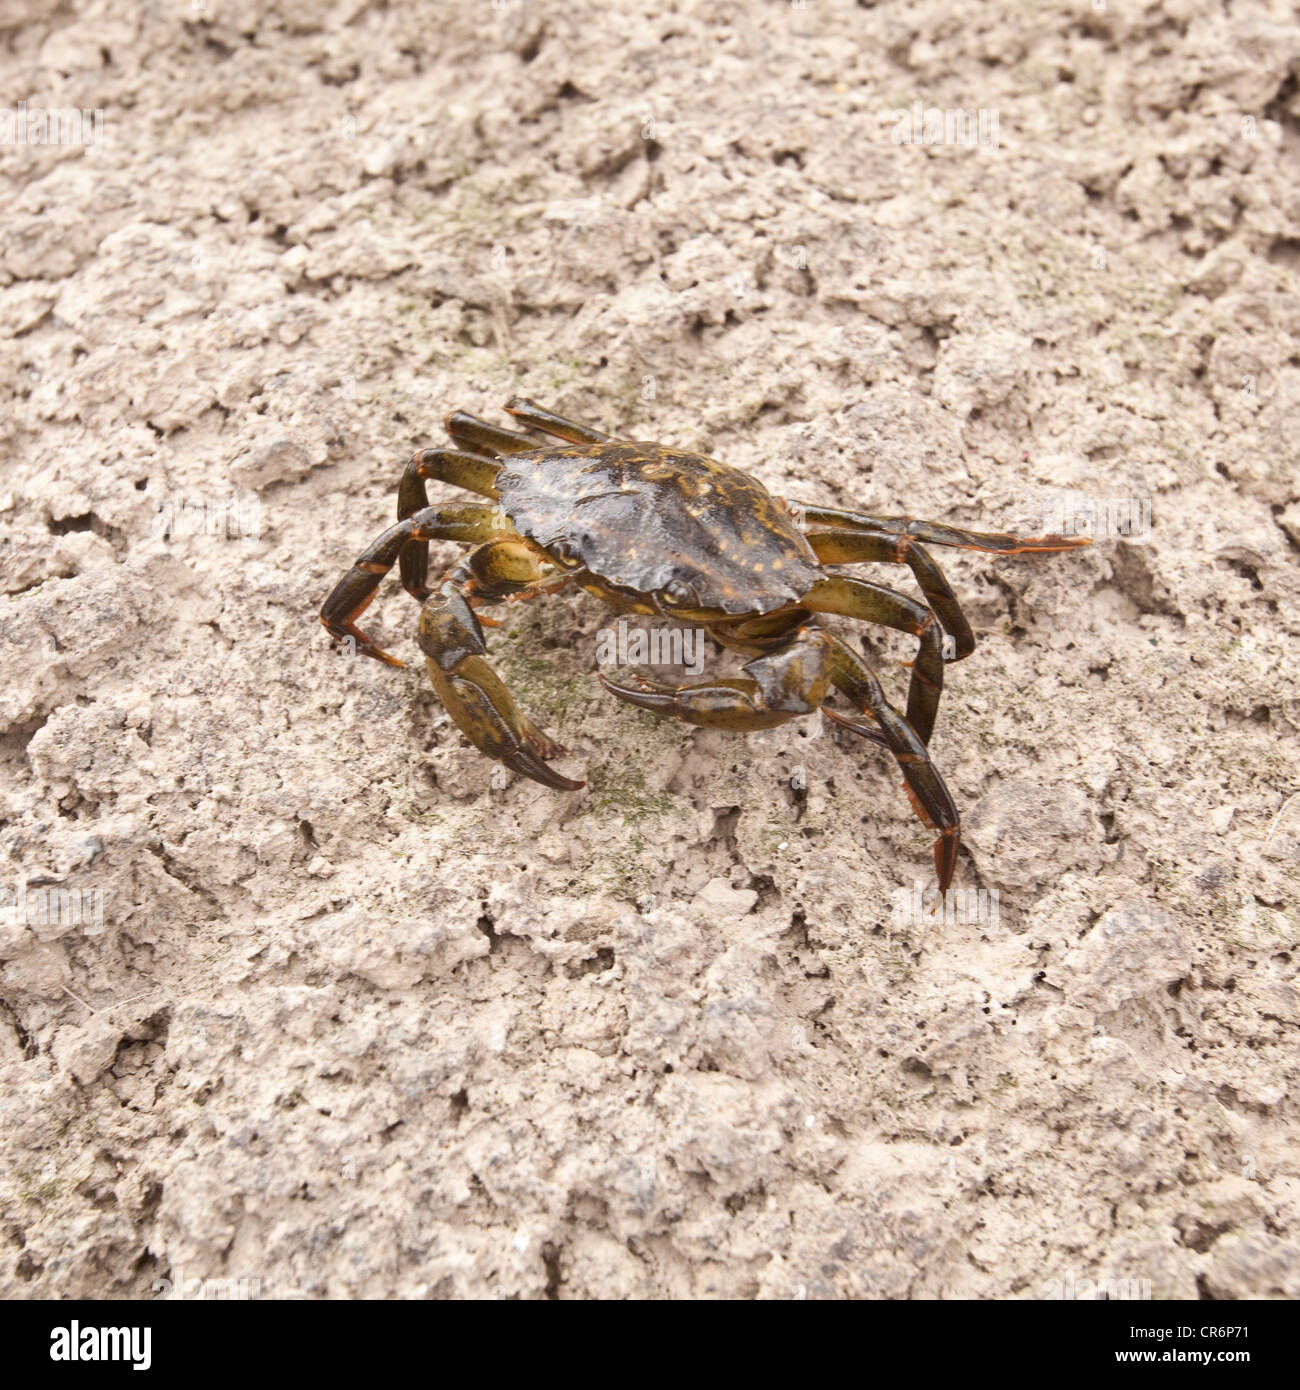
x,y
535,417
935,533
925,789
848,547
784,683
874,603
474,472
471,691
482,437
841,537
354,592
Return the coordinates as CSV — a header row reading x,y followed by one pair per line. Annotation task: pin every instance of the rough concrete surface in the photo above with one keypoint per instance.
x,y
324,1010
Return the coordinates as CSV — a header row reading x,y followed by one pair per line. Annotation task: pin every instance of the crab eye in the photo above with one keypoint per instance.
x,y
564,552
680,594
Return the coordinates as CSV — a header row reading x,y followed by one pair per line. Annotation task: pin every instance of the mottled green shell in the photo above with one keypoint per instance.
x,y
641,517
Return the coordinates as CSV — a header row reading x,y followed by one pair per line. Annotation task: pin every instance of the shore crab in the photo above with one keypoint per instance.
x,y
659,531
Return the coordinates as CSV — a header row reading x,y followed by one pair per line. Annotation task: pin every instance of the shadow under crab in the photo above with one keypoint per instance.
x,y
658,531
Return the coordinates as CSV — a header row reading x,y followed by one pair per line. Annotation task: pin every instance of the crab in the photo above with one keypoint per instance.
x,y
661,532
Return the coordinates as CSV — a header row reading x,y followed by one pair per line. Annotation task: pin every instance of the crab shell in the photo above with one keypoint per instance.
x,y
684,531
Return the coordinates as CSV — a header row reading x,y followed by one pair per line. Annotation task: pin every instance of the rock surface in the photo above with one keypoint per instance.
x,y
299,996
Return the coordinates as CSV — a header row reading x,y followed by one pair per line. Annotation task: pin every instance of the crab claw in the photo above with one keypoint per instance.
x,y
527,762
542,744
640,690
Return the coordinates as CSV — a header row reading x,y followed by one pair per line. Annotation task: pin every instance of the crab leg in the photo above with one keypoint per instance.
x,y
475,472
784,683
482,437
847,547
536,417
355,591
930,799
874,603
935,533
846,538
471,691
